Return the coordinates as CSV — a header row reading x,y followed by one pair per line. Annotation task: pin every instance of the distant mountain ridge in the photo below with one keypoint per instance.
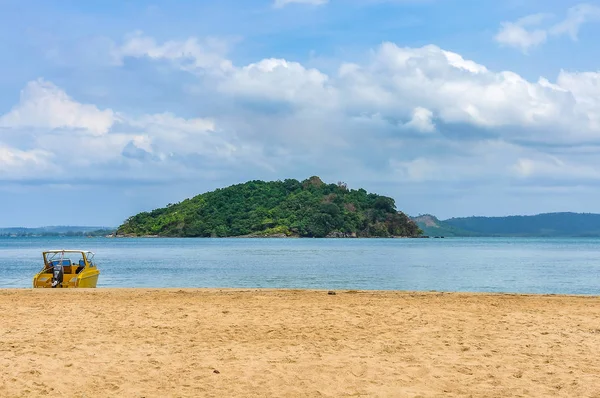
x,y
57,230
565,224
432,226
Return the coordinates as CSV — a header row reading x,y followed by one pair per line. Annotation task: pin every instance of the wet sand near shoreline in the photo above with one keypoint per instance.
x,y
245,343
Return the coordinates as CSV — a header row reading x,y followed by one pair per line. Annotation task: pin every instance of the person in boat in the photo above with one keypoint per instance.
x,y
57,273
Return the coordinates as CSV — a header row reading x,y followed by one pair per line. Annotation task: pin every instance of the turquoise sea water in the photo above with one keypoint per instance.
x,y
566,266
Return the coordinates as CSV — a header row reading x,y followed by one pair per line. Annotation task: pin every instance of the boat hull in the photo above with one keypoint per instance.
x,y
85,279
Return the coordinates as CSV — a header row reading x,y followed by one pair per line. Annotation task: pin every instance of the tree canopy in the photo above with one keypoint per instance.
x,y
308,208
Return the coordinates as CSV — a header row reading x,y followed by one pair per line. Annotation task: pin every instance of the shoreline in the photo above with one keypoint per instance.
x,y
411,293
263,237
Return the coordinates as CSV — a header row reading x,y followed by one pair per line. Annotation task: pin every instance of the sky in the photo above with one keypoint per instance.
x,y
453,108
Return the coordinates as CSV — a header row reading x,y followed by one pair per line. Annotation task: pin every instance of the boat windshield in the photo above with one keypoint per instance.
x,y
67,259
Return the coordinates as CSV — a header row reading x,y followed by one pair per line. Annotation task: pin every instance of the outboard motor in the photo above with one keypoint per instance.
x,y
57,274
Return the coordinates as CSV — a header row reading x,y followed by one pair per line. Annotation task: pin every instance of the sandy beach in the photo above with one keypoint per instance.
x,y
230,343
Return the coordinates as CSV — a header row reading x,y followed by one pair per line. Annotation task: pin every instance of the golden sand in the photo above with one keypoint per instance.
x,y
246,343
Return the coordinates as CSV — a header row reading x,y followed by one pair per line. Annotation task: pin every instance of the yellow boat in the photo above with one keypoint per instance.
x,y
67,269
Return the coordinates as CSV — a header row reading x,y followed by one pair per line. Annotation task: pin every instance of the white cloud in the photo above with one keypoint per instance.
x,y
585,89
167,120
555,168
516,34
192,54
576,17
526,33
167,134
283,3
269,79
422,120
457,61
278,80
16,164
66,139
43,105
398,78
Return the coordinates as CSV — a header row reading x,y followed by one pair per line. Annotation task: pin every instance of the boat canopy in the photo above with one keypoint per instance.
x,y
57,255
69,251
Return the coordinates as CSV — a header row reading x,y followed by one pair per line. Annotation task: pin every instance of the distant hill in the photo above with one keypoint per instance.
x,y
57,231
548,224
541,225
432,226
309,208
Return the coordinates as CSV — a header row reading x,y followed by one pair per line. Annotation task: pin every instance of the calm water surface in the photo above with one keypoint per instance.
x,y
568,266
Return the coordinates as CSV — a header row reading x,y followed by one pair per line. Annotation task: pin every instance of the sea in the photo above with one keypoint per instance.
x,y
508,265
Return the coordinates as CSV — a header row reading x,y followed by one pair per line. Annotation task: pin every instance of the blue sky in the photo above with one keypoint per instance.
x,y
455,108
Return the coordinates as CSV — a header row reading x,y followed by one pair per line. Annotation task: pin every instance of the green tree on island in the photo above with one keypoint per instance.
x,y
309,208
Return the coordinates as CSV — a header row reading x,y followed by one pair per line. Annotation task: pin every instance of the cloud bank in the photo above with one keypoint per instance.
x,y
403,115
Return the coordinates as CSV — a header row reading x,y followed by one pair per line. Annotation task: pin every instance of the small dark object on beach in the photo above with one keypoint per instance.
x,y
331,293
216,371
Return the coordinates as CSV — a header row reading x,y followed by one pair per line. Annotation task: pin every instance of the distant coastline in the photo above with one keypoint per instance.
x,y
546,225
56,231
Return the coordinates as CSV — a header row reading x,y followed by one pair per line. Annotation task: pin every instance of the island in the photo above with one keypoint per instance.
x,y
289,208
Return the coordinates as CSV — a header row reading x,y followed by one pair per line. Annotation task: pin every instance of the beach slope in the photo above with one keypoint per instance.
x,y
229,343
